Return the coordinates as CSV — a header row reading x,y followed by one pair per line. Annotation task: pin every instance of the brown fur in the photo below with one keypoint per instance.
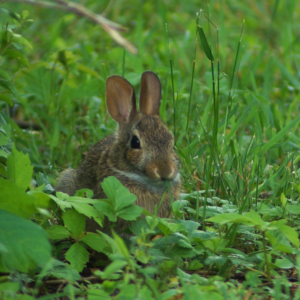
x,y
143,171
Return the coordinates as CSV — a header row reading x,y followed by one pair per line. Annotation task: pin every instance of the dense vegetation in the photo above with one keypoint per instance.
x,y
231,77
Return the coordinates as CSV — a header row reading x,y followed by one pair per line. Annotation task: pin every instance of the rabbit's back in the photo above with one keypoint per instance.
x,y
85,176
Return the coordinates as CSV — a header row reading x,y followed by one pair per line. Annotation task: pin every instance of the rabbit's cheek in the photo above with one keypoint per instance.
x,y
134,156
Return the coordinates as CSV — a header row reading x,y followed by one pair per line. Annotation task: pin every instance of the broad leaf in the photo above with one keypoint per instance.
x,y
105,207
6,99
88,210
78,256
14,199
291,234
121,246
115,266
95,241
74,221
12,53
251,219
26,243
97,294
58,232
130,213
117,193
58,270
41,199
204,43
84,206
216,260
283,263
19,169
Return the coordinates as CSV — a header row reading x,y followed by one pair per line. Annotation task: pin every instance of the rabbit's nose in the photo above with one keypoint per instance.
x,y
167,174
164,172
161,170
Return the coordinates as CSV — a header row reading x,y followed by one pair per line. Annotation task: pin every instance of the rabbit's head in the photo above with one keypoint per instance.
x,y
143,149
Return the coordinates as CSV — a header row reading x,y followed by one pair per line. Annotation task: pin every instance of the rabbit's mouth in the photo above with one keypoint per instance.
x,y
150,184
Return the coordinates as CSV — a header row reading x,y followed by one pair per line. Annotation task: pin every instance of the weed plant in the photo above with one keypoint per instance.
x,y
230,79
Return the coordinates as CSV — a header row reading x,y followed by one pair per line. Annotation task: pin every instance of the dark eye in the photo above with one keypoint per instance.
x,y
135,143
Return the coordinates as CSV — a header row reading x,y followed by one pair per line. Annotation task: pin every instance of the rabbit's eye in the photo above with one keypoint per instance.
x,y
135,143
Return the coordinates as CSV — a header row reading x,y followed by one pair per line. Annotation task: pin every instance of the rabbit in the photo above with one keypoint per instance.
x,y
139,154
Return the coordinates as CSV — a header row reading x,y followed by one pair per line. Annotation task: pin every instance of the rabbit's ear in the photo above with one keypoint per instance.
x,y
120,99
150,94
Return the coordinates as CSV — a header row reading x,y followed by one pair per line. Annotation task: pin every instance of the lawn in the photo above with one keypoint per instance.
x,y
230,76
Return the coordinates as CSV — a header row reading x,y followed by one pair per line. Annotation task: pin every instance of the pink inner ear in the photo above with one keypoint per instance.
x,y
150,94
124,111
120,98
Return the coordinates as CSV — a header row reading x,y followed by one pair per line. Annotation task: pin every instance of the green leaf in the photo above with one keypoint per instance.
x,y
279,135
6,99
283,199
87,209
115,266
283,263
15,200
130,213
279,242
41,200
226,218
121,246
58,232
19,169
5,132
291,234
8,291
9,286
204,43
286,73
194,265
78,256
10,13
128,292
60,200
15,54
4,75
293,209
2,170
8,86
95,241
216,260
251,219
84,193
26,243
58,270
106,208
230,180
87,70
3,153
17,38
24,14
97,294
117,193
184,244
167,228
74,221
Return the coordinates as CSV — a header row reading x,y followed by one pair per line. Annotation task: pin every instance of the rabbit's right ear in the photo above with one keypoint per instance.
x,y
150,94
120,99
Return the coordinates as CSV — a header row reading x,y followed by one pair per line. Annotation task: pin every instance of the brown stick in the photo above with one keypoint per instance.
x,y
78,9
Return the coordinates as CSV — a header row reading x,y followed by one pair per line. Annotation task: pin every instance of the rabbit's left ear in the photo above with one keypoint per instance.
x,y
150,94
120,99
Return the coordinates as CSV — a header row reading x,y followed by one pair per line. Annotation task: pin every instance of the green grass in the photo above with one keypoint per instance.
x,y
235,120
